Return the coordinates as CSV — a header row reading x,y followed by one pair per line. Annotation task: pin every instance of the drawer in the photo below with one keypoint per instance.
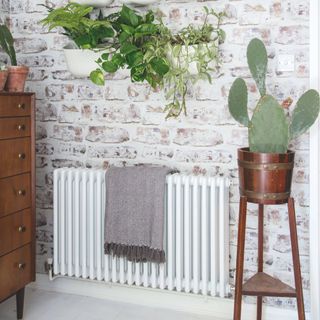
x,y
15,106
15,156
15,271
15,127
15,231
15,194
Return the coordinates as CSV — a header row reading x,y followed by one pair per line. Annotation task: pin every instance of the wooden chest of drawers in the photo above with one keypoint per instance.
x,y
17,195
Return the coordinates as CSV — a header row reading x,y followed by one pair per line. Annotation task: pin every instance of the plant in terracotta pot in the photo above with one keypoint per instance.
x,y
265,168
3,76
17,74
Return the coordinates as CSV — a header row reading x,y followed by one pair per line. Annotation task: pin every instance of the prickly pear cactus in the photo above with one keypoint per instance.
x,y
268,129
238,101
258,62
305,113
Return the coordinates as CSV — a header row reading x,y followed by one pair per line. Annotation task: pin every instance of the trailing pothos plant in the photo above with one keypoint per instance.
x,y
132,47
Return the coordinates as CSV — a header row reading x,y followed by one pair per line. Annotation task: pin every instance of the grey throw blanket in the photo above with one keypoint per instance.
x,y
134,222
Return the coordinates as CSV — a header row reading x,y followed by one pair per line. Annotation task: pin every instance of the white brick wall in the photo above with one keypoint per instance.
x,y
81,125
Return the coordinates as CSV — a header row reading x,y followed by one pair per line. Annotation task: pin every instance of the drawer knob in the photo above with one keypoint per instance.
x,y
21,192
21,106
22,229
22,156
21,266
21,127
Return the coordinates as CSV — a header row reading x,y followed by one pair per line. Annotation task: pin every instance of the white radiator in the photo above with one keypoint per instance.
x,y
197,236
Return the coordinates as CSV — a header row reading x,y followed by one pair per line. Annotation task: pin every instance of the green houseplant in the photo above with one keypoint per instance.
x,y
89,37
193,54
270,130
152,53
267,161
17,75
143,45
265,172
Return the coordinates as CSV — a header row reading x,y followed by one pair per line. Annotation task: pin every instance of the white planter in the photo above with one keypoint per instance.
x,y
141,2
81,61
94,3
186,58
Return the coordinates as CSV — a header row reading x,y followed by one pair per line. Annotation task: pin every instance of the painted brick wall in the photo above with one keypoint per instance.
x,y
4,11
81,125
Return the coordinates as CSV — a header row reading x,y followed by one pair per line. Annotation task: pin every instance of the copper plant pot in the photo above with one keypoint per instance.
x,y
3,78
265,178
17,78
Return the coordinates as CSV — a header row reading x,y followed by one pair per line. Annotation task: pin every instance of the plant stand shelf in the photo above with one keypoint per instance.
x,y
262,284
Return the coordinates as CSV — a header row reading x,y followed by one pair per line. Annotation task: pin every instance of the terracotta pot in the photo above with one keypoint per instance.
x,y
3,78
17,78
265,178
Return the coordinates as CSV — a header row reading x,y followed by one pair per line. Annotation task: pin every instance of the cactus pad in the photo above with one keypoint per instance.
x,y
258,62
305,113
238,101
268,129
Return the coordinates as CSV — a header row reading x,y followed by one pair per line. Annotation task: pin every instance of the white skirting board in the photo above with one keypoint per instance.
x,y
183,302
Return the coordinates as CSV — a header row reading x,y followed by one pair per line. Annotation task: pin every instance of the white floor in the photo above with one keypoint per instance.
x,y
40,304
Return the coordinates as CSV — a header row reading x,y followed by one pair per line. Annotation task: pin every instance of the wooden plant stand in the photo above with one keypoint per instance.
x,y
265,179
261,284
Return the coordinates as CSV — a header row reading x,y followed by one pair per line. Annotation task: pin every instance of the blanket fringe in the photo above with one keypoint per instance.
x,y
135,253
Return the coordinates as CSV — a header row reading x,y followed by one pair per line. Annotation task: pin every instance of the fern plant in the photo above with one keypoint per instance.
x,y
75,20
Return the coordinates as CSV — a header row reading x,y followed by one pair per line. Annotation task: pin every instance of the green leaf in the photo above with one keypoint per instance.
x,y
146,29
258,62
118,59
84,41
222,36
238,101
128,29
268,129
134,58
123,37
149,17
97,77
160,66
138,73
105,56
127,48
7,44
102,32
176,50
305,113
109,66
129,17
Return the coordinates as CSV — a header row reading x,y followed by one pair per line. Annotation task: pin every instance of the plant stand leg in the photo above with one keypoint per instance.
x,y
240,258
20,302
296,259
260,255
